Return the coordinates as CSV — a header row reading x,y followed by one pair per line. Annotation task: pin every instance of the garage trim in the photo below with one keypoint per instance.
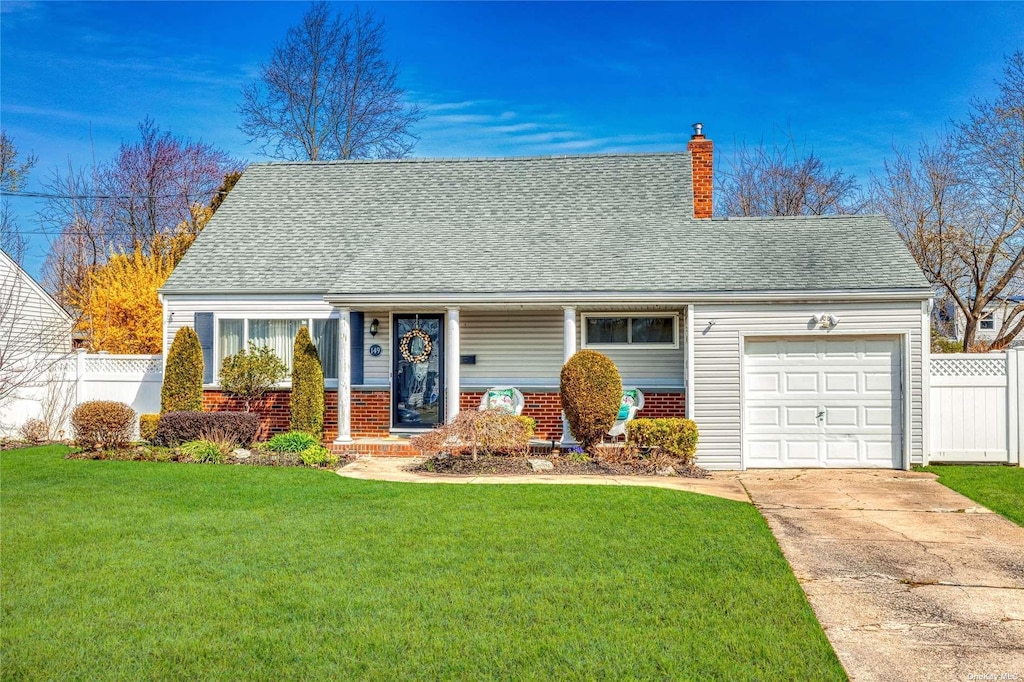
x,y
905,379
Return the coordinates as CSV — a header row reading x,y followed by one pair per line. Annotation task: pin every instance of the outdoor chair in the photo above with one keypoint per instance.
x,y
506,398
632,402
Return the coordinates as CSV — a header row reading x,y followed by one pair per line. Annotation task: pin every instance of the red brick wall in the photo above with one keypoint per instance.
x,y
371,414
546,408
371,411
702,154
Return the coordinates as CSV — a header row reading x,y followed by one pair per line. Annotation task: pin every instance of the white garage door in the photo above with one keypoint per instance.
x,y
817,402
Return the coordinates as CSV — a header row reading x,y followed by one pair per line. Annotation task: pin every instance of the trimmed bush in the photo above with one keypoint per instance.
x,y
182,390
529,422
176,428
148,424
591,393
293,441
307,399
249,374
202,451
675,437
103,422
318,456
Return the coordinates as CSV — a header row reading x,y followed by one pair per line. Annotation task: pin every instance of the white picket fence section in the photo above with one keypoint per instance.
x,y
131,379
976,405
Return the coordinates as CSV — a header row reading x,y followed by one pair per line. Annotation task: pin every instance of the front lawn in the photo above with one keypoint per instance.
x,y
1000,488
139,570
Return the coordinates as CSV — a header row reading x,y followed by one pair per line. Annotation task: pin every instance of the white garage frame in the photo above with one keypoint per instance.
x,y
905,380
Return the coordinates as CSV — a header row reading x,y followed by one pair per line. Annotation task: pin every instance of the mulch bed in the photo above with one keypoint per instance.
x,y
464,465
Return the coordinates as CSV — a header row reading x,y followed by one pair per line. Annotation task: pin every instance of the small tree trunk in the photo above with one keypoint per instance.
x,y
970,327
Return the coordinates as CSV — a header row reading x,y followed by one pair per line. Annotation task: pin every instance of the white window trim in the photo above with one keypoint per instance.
x,y
629,332
217,317
991,319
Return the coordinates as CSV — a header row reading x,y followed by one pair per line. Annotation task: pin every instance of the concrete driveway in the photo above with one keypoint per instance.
x,y
909,579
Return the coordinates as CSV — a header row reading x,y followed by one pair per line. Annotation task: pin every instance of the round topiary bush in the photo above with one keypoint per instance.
x,y
591,392
307,399
107,423
182,390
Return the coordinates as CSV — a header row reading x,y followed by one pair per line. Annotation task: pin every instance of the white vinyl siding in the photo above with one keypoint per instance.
x,y
517,347
523,348
717,360
31,321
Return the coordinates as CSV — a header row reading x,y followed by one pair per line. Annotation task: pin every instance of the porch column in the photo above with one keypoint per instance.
x,y
452,366
568,350
344,376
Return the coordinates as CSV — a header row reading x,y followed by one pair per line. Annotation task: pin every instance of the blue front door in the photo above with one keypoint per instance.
x,y
417,390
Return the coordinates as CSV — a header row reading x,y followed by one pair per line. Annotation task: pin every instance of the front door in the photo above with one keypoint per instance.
x,y
417,386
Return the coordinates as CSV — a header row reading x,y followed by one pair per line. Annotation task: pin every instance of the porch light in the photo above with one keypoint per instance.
x,y
374,326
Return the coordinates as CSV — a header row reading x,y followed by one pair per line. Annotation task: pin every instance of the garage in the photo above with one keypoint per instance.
x,y
823,402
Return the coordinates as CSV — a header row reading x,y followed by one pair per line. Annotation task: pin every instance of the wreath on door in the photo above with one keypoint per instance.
x,y
404,346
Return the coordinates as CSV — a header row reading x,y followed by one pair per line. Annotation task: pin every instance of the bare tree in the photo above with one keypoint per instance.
x,y
151,188
329,92
958,203
33,336
13,174
784,179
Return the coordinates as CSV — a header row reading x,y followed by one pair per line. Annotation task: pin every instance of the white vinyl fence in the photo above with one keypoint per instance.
x,y
976,407
131,379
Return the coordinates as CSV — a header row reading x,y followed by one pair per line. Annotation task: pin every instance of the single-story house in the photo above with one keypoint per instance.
x,y
790,341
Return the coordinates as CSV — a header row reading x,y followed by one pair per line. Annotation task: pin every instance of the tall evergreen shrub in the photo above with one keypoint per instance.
x,y
307,401
182,390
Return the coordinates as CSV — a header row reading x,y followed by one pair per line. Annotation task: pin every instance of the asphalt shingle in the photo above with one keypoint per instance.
x,y
533,224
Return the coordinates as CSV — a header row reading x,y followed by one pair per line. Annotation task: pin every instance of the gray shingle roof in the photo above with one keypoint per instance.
x,y
541,224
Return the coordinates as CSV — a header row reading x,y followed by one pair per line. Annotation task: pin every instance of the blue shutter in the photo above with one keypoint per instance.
x,y
356,332
203,324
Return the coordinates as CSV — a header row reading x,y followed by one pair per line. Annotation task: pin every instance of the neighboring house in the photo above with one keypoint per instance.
x,y
790,341
35,332
951,320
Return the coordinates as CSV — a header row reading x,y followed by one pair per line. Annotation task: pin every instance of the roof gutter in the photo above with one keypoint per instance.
x,y
624,297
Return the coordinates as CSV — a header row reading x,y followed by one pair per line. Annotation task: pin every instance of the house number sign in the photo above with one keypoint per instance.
x,y
375,350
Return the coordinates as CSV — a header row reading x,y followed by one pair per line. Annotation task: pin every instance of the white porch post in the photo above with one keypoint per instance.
x,y
344,376
452,366
568,350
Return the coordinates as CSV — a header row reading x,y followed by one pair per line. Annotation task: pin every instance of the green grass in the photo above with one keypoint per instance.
x,y
1000,488
135,570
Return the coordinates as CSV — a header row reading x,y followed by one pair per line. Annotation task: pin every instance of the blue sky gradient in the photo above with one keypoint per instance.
x,y
850,79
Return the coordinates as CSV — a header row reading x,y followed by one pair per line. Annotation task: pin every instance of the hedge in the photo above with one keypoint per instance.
x,y
676,437
103,422
307,399
591,393
176,428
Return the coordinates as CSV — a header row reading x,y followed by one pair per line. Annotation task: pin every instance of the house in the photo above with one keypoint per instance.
x,y
950,320
791,341
35,332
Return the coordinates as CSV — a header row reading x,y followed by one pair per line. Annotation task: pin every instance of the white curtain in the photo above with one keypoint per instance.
x,y
325,338
229,338
278,335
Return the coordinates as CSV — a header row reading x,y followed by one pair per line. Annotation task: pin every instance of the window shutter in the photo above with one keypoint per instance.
x,y
203,324
356,331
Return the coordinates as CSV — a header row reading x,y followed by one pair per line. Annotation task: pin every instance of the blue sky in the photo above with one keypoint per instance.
x,y
520,78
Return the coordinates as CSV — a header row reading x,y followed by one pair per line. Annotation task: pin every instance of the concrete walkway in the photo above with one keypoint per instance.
x,y
910,580
394,469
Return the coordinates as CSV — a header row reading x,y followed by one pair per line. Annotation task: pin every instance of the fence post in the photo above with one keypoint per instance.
x,y
1014,404
79,375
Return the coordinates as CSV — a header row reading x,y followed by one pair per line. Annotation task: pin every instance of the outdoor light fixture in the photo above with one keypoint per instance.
x,y
374,325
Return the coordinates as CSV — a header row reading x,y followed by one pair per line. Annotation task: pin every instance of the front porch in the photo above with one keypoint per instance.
x,y
405,370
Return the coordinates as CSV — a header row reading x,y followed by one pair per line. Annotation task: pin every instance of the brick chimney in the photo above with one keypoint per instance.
x,y
702,151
